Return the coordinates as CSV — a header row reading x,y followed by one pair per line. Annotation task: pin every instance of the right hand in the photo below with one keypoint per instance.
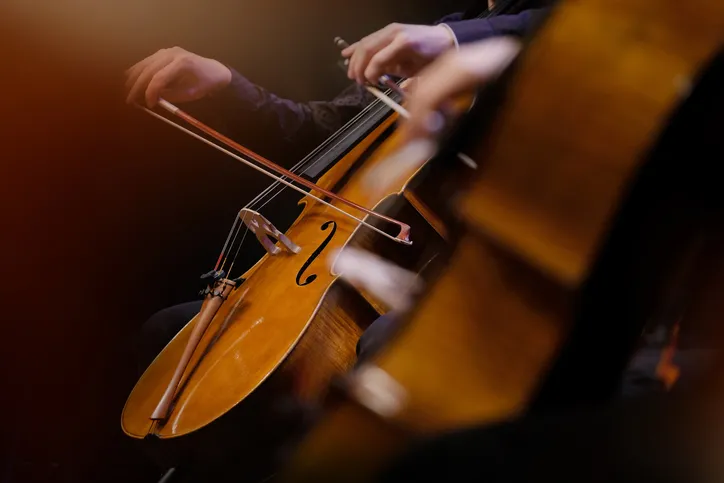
x,y
176,75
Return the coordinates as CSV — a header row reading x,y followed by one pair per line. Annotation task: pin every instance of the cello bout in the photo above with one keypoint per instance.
x,y
208,310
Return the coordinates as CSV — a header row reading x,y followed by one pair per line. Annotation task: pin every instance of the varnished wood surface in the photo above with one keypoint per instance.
x,y
211,304
264,328
608,94
244,444
590,95
488,356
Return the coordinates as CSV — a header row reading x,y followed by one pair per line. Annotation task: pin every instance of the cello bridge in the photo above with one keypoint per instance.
x,y
264,231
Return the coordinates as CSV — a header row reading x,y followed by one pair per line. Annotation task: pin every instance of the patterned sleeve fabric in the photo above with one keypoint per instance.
x,y
280,129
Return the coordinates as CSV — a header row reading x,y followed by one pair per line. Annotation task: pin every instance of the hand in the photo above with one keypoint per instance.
x,y
453,74
394,286
176,75
398,49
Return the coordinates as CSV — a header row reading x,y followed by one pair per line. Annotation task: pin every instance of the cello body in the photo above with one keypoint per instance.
x,y
557,250
281,334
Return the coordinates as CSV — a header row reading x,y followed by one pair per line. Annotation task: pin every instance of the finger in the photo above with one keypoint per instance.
x,y
358,63
349,50
425,123
135,70
352,54
163,79
409,84
382,62
350,63
452,75
429,116
145,77
368,47
354,60
434,90
433,106
360,53
357,57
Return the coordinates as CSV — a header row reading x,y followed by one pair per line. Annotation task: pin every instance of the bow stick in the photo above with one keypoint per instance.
x,y
402,237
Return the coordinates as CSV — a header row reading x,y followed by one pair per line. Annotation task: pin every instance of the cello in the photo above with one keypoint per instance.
x,y
279,330
284,327
559,247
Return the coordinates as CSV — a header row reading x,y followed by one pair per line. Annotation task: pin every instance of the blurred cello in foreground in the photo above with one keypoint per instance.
x,y
588,197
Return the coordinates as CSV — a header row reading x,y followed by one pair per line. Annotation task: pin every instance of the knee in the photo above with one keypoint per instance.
x,y
156,327
166,323
161,327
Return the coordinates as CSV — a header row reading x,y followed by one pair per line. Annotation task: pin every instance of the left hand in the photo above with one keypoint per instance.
x,y
398,49
453,74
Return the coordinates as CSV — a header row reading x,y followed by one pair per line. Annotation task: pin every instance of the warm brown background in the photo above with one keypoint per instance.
x,y
108,215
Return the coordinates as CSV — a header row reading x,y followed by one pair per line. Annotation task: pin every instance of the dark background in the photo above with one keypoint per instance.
x,y
109,215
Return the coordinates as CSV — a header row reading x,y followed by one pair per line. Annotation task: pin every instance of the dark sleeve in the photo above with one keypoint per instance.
x,y
280,129
453,17
482,28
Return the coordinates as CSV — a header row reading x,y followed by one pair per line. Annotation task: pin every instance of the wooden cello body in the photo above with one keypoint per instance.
x,y
559,248
280,334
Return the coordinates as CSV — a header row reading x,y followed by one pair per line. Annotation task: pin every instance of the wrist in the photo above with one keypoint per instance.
x,y
222,76
450,35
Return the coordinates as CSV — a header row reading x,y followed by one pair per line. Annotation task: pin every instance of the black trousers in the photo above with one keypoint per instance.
x,y
160,328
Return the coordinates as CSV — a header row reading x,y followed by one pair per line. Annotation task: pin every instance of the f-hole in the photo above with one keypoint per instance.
x,y
320,248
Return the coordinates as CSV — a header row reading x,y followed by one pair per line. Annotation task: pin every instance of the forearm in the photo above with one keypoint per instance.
x,y
280,129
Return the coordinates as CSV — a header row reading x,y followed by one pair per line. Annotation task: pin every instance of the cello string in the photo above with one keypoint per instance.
x,y
313,155
295,187
301,165
236,228
282,187
354,130
226,244
381,98
386,99
241,243
498,8
340,136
